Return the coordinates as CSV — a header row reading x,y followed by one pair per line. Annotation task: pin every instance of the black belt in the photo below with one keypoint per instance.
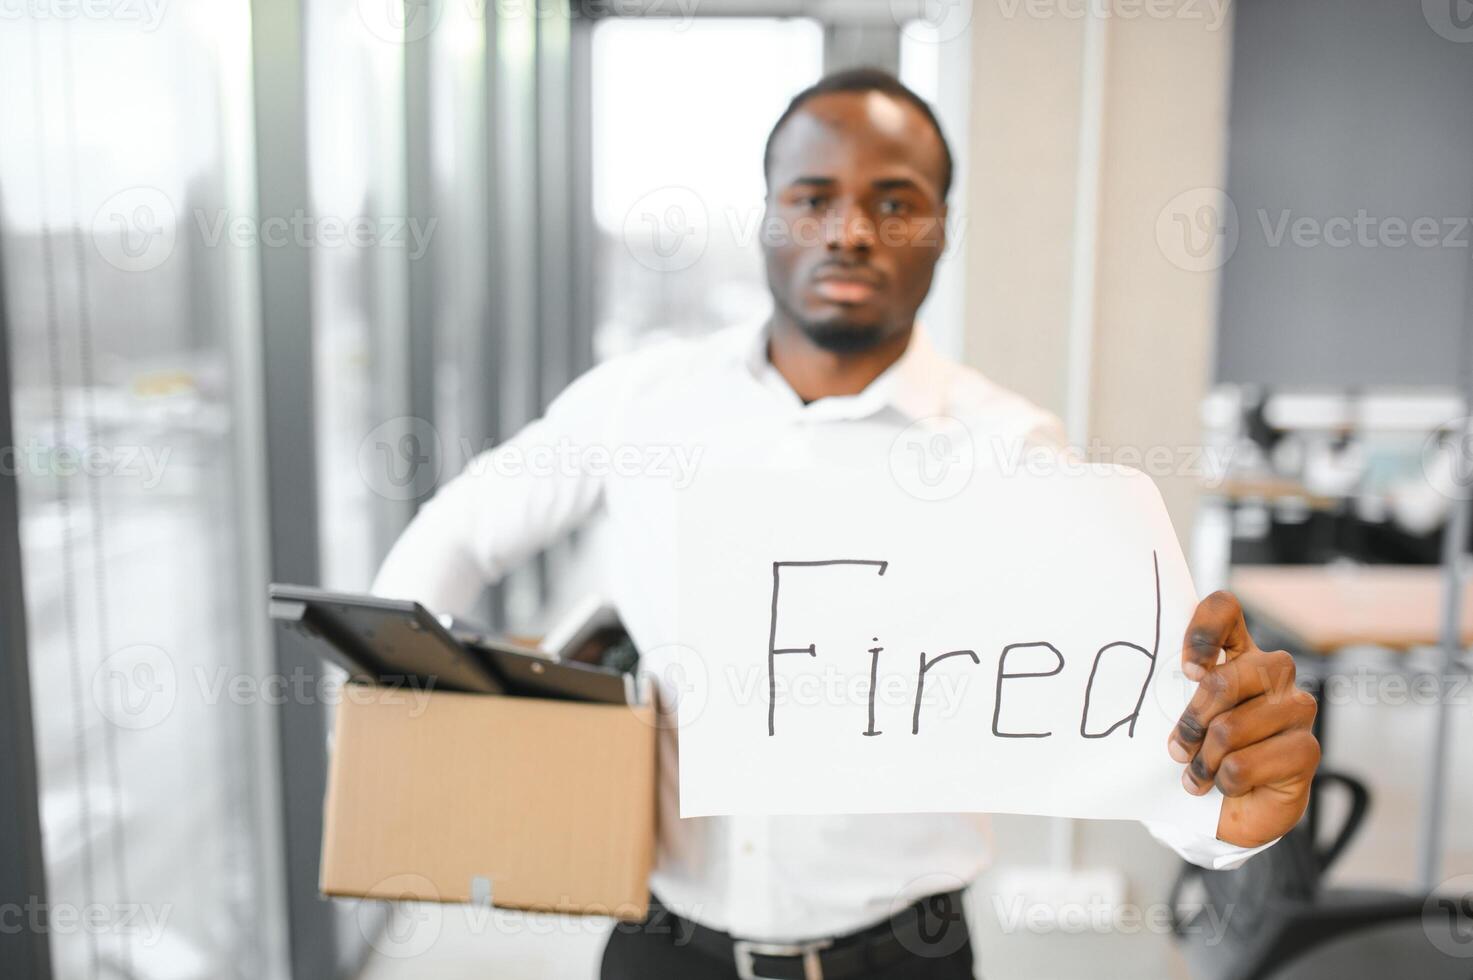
x,y
933,926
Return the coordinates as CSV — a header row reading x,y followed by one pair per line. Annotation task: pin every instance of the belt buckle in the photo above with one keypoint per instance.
x,y
743,951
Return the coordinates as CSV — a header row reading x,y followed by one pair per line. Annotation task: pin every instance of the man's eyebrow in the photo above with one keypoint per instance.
x,y
895,183
812,179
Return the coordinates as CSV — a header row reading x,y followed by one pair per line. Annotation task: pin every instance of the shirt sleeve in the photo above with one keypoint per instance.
x,y
509,503
1203,851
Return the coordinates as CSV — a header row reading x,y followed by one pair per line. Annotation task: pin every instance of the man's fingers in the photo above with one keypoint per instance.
x,y
1255,720
1224,688
1216,625
1286,757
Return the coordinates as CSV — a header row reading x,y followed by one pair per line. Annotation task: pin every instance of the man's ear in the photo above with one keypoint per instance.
x,y
941,218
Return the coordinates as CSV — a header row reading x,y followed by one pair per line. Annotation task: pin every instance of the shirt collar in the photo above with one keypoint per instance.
x,y
913,385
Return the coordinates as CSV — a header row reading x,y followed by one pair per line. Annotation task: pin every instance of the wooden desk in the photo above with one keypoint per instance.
x,y
1328,607
1240,489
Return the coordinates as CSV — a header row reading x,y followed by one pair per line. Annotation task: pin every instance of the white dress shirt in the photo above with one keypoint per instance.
x,y
649,417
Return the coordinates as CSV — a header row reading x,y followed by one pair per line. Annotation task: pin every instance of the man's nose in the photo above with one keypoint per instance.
x,y
850,229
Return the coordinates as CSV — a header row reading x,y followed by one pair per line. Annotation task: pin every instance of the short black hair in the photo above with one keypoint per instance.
x,y
863,80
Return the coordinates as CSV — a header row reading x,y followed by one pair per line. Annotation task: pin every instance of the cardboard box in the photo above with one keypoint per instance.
x,y
524,803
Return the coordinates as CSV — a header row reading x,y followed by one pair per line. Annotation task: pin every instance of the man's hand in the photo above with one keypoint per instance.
x,y
1246,729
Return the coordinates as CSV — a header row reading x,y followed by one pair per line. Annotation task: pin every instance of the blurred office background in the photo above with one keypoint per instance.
x,y
273,270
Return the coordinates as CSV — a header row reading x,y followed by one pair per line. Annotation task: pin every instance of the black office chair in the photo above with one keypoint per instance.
x,y
1273,919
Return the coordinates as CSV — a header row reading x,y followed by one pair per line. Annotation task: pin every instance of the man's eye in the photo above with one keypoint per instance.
x,y
892,206
811,201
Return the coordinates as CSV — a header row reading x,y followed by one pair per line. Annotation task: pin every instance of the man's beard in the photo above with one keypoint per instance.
x,y
840,337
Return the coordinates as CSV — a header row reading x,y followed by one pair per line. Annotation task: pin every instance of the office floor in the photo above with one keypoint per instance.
x,y
1380,740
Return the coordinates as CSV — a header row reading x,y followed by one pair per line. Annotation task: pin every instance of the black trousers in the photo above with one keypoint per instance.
x,y
659,949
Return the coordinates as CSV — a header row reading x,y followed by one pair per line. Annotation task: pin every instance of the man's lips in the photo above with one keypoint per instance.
x,y
846,286
847,291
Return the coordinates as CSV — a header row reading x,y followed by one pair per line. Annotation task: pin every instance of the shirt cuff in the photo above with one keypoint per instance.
x,y
1203,851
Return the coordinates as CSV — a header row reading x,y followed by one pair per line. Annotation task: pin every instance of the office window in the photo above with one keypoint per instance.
x,y
126,178
681,111
920,59
356,161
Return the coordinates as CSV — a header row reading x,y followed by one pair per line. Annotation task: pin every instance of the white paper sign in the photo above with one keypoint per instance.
x,y
1015,648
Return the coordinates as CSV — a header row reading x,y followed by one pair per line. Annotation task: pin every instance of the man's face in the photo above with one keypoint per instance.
x,y
855,221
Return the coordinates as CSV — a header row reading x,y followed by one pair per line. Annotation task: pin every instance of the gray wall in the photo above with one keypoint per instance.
x,y
1338,107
